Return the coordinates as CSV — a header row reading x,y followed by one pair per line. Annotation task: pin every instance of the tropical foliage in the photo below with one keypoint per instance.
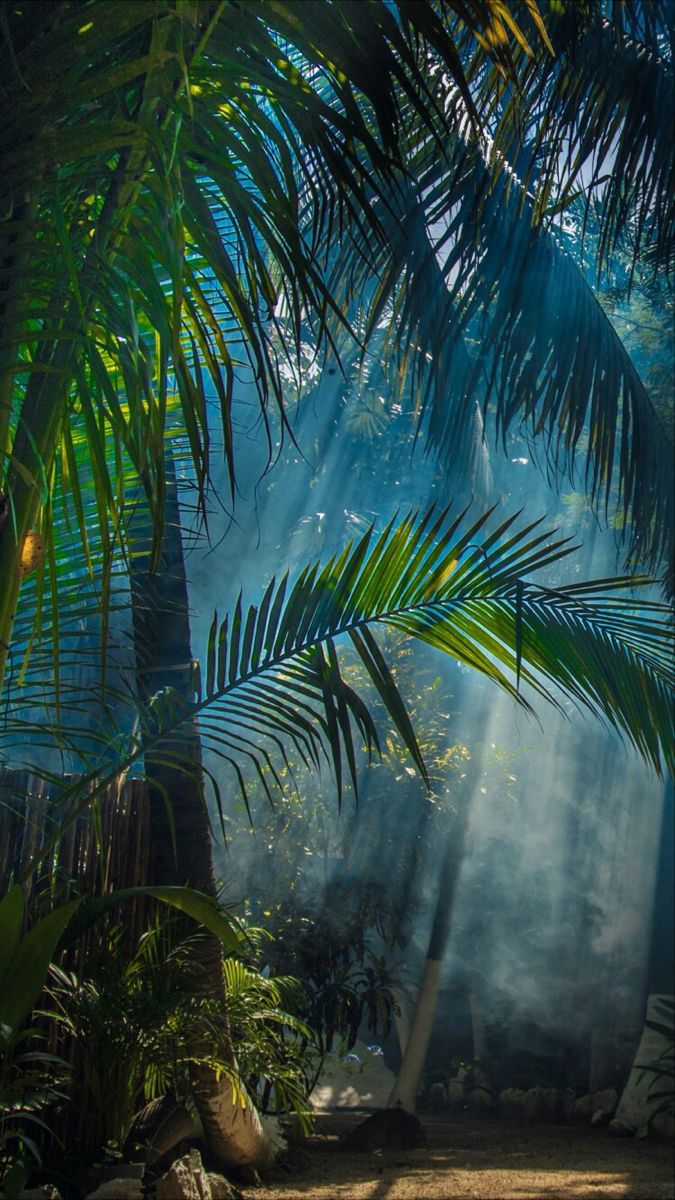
x,y
183,169
205,201
192,191
245,262
32,1079
136,1014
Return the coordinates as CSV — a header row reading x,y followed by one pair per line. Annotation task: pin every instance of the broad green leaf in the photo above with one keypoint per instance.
x,y
26,972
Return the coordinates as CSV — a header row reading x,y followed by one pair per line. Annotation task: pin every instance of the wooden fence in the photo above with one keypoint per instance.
x,y
107,848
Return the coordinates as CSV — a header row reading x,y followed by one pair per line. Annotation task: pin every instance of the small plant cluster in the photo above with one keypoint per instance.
x,y
140,1018
32,1082
128,1026
325,943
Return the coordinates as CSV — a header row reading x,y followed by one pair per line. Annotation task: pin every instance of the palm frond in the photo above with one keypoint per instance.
x,y
274,673
545,358
465,594
168,182
604,129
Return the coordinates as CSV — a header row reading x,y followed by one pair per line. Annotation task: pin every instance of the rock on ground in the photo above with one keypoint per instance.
x,y
540,1104
390,1129
480,1099
620,1129
187,1179
511,1102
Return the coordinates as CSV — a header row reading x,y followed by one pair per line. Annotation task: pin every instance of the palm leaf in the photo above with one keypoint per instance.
x,y
606,131
465,591
549,362
199,120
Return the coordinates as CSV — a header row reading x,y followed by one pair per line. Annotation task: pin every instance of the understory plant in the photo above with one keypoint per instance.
x,y
140,1018
273,1045
31,1078
32,1084
325,942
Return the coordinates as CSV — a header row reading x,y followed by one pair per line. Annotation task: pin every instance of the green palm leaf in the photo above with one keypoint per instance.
x,y
463,593
274,673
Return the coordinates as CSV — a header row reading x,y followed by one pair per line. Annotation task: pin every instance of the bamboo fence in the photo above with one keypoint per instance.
x,y
106,849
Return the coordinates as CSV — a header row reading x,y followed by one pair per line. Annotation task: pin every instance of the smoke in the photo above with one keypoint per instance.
x,y
552,919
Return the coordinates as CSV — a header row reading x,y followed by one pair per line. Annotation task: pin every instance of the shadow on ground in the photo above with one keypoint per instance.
x,y
486,1159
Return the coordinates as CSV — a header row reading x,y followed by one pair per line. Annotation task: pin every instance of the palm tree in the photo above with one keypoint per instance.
x,y
180,826
194,164
414,1052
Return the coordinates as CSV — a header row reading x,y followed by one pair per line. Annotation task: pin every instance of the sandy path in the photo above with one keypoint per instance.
x,y
485,1159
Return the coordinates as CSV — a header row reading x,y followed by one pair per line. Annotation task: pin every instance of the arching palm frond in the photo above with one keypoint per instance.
x,y
604,107
465,594
273,674
161,225
556,367
465,262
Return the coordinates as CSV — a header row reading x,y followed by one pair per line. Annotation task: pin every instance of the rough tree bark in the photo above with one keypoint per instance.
x,y
180,826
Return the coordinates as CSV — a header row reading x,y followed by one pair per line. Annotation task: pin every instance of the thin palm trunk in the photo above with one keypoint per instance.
x,y
405,1089
180,826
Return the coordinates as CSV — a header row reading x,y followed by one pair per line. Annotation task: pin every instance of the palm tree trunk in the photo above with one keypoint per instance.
x,y
180,826
405,1089
477,1026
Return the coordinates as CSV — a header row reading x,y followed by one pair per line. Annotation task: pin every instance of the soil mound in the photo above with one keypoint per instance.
x,y
389,1129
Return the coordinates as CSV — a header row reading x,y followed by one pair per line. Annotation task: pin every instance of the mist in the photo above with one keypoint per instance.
x,y
552,921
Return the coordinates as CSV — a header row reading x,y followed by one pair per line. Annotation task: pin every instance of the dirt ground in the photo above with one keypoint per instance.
x,y
486,1158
